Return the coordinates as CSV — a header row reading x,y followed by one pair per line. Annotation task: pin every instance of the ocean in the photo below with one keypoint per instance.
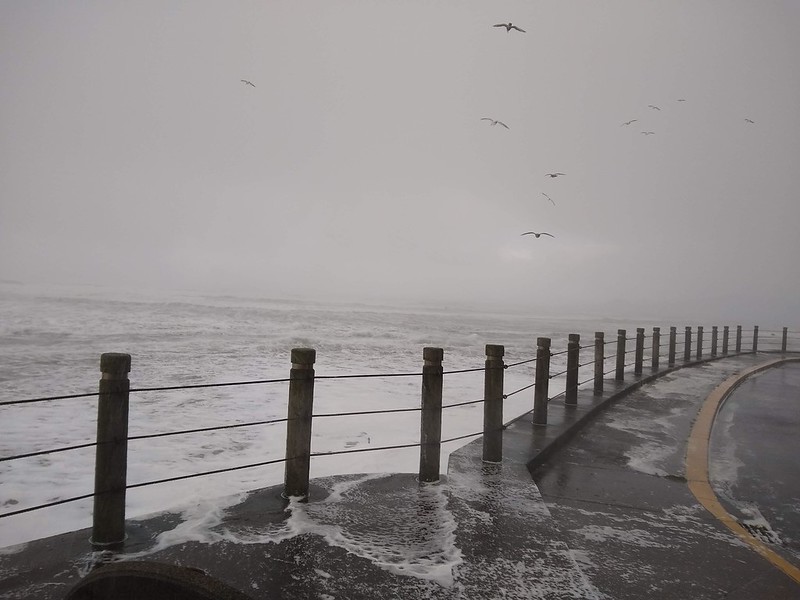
x,y
52,339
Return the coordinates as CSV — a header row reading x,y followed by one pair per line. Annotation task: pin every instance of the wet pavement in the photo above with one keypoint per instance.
x,y
607,514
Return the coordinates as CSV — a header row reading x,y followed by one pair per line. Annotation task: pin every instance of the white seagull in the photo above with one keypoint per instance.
x,y
653,107
244,81
750,121
494,122
549,198
648,133
629,122
509,26
538,235
554,174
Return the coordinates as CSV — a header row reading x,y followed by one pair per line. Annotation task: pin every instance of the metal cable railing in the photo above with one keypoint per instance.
x,y
742,337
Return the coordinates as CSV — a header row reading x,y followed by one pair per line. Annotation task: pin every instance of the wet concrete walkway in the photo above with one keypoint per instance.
x,y
607,515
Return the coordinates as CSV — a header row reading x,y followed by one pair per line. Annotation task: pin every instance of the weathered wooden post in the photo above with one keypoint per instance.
x,y
673,342
573,360
714,340
656,348
699,342
599,362
687,345
541,381
430,449
755,338
298,427
639,353
111,458
493,404
785,339
725,335
619,374
738,339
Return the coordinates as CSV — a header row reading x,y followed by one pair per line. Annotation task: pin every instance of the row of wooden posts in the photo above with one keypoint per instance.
x,y
108,527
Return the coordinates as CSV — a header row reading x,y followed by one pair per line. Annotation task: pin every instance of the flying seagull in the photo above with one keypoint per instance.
x,y
653,107
538,235
554,174
244,81
629,122
648,132
681,99
509,26
494,122
549,198
750,121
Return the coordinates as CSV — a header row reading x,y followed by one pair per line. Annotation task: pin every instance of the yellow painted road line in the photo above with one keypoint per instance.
x,y
697,466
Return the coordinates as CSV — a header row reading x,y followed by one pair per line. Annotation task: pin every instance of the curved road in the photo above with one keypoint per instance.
x,y
754,466
620,496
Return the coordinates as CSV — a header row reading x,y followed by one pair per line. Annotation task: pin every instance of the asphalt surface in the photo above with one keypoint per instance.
x,y
607,513
757,479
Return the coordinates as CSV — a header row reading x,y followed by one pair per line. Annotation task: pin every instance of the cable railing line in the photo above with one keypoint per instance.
x,y
48,505
468,402
357,450
368,412
197,386
51,451
206,473
150,436
48,399
521,362
522,389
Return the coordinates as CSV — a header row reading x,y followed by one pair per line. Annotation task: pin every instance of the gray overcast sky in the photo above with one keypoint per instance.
x,y
358,166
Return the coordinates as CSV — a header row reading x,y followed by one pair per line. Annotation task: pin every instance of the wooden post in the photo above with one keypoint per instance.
x,y
725,335
738,339
493,404
619,375
430,449
573,360
599,362
699,342
656,347
111,458
714,340
541,381
755,338
639,353
785,339
673,334
687,345
298,427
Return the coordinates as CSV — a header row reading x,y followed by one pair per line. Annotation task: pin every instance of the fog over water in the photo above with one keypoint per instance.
x,y
357,165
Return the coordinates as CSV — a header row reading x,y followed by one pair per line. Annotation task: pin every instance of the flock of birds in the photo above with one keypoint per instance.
x,y
494,122
537,234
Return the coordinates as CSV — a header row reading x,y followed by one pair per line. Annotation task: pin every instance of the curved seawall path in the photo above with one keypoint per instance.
x,y
607,514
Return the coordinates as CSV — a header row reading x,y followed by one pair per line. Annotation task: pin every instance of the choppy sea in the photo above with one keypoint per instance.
x,y
51,339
